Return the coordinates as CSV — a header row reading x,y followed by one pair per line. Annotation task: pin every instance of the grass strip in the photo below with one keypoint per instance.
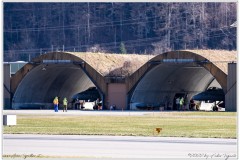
x,y
183,126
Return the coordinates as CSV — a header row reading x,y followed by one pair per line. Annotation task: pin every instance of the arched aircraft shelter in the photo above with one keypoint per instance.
x,y
54,74
123,80
64,74
177,74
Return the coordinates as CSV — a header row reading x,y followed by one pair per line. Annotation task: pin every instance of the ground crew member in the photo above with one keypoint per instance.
x,y
192,105
65,104
181,103
178,103
55,102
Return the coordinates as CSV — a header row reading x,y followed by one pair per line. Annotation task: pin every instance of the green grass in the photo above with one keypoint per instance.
x,y
203,125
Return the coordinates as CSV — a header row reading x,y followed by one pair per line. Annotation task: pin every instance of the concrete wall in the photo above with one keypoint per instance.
x,y
6,87
231,96
117,95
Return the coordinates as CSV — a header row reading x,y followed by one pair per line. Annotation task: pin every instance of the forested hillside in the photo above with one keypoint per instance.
x,y
31,29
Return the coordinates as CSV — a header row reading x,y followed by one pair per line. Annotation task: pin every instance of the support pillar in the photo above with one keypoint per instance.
x,y
231,95
6,85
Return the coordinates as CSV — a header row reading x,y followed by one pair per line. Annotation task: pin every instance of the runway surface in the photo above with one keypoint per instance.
x,y
119,146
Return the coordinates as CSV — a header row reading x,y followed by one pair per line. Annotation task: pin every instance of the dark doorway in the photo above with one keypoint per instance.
x,y
90,95
177,95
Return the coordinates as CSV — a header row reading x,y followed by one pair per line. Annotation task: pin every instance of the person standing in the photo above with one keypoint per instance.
x,y
55,102
192,105
65,104
77,103
178,103
111,107
181,103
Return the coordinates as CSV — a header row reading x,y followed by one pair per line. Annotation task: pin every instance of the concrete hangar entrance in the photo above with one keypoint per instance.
x,y
51,75
66,74
179,74
122,80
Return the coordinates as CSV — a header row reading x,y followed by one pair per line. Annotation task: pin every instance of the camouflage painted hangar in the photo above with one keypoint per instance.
x,y
122,79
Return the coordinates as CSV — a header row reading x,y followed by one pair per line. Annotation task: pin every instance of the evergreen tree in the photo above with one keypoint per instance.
x,y
122,48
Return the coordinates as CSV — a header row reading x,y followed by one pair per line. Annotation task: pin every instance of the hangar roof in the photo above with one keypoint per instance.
x,y
113,64
218,57
126,64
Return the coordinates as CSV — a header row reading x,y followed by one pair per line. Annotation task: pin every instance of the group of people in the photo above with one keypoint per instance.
x,y
77,104
182,103
56,104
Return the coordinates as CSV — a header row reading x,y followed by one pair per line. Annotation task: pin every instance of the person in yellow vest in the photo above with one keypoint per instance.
x,y
55,102
65,104
181,103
